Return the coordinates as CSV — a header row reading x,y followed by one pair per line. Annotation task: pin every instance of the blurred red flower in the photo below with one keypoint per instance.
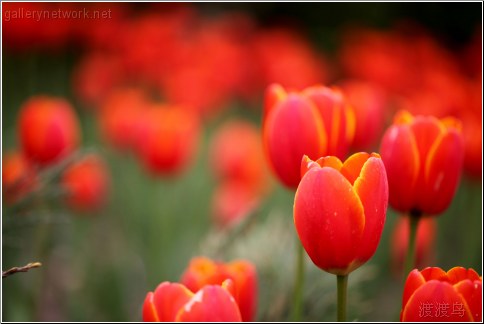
x,y
119,116
87,183
48,129
18,176
167,139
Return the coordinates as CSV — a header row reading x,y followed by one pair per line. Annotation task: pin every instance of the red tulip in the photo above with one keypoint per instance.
x,y
203,271
423,157
425,240
339,210
87,183
18,176
48,129
314,122
167,139
433,295
173,302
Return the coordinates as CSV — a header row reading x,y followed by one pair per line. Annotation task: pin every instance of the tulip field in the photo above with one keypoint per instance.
x,y
256,161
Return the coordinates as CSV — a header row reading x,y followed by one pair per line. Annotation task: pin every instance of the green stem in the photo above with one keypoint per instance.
x,y
342,283
298,284
410,260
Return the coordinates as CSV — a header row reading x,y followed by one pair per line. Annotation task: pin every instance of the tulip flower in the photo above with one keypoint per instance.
x,y
339,210
433,295
87,183
168,140
18,176
292,127
425,239
173,302
203,271
339,213
314,122
423,157
48,129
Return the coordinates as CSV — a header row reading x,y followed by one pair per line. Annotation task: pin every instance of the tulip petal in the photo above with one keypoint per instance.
x,y
330,161
275,93
442,173
426,131
307,164
471,291
331,106
210,304
434,273
329,219
352,167
245,280
149,310
293,129
201,271
457,274
372,188
402,163
434,302
413,282
403,117
169,298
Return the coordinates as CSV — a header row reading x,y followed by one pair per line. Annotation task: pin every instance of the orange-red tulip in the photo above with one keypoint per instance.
x,y
173,302
203,271
167,139
87,183
292,128
433,295
18,176
425,240
48,129
340,210
423,157
314,122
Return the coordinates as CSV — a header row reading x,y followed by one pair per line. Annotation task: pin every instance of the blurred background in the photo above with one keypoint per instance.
x,y
198,183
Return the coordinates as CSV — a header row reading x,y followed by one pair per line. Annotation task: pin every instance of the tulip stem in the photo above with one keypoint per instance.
x,y
342,283
410,260
298,285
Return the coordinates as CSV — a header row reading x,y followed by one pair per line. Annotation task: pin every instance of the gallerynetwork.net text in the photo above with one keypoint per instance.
x,y
38,15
